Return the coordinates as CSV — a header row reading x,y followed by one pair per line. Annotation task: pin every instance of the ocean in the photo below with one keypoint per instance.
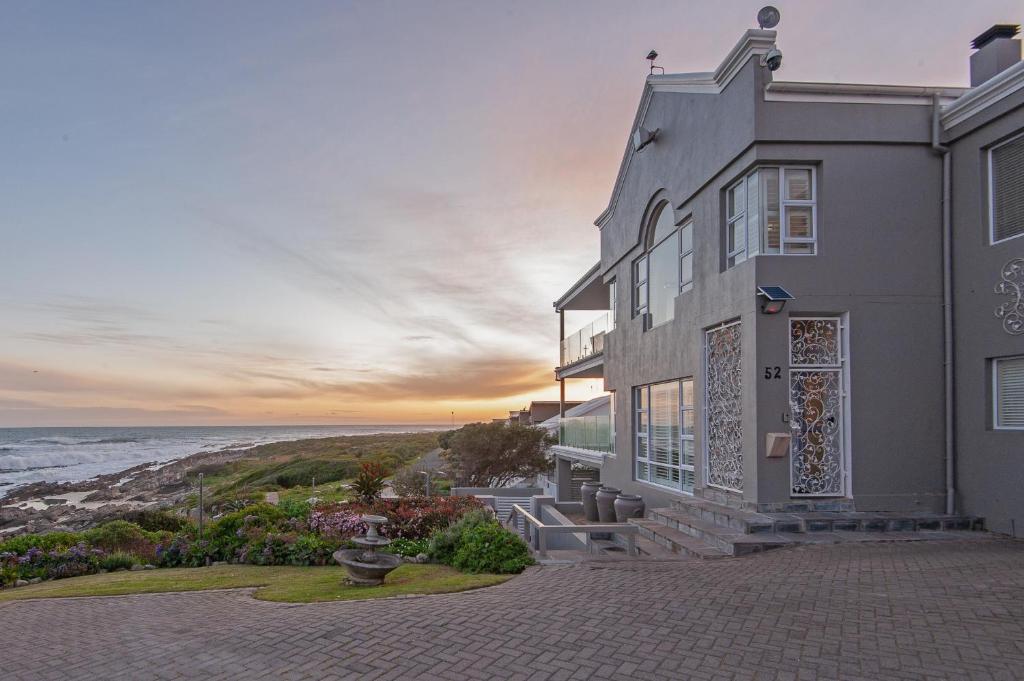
x,y
65,454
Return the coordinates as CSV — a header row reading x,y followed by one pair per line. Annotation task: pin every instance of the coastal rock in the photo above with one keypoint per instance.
x,y
108,494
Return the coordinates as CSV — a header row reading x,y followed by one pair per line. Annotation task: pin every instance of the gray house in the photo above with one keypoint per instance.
x,y
811,295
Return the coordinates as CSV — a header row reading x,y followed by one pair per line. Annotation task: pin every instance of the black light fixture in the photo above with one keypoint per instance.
x,y
775,298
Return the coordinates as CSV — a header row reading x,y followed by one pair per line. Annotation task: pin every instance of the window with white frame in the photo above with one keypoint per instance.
x,y
1006,190
611,304
686,256
665,270
1008,393
640,286
663,427
773,210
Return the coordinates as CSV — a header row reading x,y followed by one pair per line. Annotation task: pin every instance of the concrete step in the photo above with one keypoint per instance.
x,y
854,521
675,541
726,539
746,522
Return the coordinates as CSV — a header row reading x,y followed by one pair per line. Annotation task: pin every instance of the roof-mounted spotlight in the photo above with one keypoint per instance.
x,y
775,298
642,137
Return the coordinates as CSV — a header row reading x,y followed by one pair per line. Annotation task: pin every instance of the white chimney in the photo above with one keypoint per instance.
x,y
997,50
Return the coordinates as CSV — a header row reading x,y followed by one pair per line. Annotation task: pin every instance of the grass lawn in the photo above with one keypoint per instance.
x,y
285,584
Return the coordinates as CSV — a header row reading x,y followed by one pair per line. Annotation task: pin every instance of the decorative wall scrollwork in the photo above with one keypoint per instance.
x,y
1012,285
724,408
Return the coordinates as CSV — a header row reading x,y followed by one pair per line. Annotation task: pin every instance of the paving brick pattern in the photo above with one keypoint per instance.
x,y
923,610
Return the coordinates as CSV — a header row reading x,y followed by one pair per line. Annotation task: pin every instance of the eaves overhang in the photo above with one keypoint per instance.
x,y
856,93
588,293
977,99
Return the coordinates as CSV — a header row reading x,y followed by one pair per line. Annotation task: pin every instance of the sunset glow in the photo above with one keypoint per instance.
x,y
334,213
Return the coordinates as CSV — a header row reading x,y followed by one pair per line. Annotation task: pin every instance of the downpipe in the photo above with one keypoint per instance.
x,y
947,307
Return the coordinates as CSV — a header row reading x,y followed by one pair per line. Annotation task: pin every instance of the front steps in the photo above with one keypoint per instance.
x,y
705,529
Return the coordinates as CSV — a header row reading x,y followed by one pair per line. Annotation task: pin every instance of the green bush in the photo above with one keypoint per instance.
x,y
52,541
117,561
157,520
115,535
491,548
295,508
229,533
444,544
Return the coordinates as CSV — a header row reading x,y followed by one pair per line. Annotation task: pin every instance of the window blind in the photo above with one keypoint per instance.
x,y
1009,392
1008,190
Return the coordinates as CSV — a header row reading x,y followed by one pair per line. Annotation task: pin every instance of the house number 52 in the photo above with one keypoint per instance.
x,y
772,372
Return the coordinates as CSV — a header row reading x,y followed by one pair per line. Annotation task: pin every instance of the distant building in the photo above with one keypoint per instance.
x,y
538,411
893,380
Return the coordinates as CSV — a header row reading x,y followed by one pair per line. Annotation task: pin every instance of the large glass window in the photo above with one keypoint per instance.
x,y
663,423
772,210
663,279
665,270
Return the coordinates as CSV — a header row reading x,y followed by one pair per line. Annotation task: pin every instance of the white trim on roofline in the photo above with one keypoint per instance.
x,y
979,98
754,42
855,93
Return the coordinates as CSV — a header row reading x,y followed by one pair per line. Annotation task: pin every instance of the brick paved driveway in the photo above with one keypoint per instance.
x,y
939,610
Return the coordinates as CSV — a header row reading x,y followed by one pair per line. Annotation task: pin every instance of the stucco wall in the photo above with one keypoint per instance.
x,y
878,263
990,470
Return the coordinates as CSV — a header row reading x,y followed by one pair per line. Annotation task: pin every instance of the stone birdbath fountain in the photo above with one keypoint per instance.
x,y
365,566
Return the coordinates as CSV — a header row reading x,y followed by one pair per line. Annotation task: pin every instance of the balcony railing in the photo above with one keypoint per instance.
x,y
587,432
586,342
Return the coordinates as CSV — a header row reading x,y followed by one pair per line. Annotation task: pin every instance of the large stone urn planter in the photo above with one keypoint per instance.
x,y
605,498
629,506
587,492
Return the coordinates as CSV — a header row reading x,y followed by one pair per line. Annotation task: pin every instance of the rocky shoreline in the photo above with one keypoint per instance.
x,y
75,506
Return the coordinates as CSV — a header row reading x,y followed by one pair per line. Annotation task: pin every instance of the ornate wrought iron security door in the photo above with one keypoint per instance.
x,y
816,401
724,408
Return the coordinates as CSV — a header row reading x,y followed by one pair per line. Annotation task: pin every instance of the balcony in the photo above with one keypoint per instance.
x,y
592,433
587,342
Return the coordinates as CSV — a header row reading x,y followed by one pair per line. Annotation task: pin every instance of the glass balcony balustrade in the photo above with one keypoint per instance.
x,y
586,342
587,432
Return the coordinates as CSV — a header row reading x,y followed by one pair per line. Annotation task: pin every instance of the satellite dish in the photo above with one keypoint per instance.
x,y
642,137
768,17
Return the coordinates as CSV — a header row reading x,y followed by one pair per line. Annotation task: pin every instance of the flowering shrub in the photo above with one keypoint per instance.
x,y
408,518
75,561
408,547
337,524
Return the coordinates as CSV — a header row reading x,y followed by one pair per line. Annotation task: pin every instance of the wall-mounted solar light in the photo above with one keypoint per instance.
x,y
775,298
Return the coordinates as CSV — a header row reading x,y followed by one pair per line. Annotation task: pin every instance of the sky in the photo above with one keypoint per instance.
x,y
336,212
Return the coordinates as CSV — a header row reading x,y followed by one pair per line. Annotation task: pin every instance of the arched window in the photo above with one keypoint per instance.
x,y
665,269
